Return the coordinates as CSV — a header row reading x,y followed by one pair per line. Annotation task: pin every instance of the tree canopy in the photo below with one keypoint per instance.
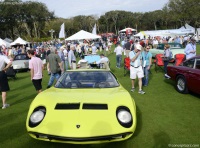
x,y
33,20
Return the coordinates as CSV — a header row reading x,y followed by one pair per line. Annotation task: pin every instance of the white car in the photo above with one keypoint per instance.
x,y
21,62
175,48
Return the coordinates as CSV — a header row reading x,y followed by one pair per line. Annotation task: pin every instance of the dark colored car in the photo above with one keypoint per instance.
x,y
187,75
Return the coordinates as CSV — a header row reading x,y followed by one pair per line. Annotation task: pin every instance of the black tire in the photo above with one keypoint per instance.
x,y
181,85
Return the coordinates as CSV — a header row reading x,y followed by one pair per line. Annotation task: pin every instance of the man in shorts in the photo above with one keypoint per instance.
x,y
136,68
4,87
36,67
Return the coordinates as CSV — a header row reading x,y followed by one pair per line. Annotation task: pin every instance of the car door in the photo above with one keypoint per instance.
x,y
194,76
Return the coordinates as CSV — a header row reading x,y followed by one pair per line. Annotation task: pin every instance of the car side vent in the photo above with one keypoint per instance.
x,y
95,106
64,106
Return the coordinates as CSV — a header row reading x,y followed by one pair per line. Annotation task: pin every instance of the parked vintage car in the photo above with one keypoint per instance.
x,y
175,48
85,106
21,62
187,75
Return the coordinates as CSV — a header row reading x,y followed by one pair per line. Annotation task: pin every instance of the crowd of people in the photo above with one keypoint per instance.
x,y
57,58
139,52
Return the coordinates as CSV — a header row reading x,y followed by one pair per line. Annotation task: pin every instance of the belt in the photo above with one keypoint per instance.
x,y
134,67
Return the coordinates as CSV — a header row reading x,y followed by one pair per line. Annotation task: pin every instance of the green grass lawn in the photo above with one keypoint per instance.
x,y
164,116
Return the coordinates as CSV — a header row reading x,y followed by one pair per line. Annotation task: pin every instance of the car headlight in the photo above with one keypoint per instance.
x,y
124,116
37,116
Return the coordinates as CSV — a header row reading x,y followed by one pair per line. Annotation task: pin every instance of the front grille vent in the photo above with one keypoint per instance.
x,y
70,106
95,106
74,106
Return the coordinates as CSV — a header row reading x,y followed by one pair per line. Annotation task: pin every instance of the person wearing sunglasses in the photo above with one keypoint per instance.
x,y
147,62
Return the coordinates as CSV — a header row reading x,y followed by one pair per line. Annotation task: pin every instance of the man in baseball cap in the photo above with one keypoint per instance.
x,y
136,69
190,49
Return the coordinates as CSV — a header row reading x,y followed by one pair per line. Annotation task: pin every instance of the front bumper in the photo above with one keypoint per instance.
x,y
82,140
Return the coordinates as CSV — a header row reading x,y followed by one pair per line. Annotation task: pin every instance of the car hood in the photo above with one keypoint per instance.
x,y
177,51
94,120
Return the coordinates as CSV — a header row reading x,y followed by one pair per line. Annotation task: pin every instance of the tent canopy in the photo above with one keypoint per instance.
x,y
19,41
83,35
8,40
124,30
2,42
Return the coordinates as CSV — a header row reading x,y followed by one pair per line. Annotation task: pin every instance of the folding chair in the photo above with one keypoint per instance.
x,y
159,62
179,58
126,65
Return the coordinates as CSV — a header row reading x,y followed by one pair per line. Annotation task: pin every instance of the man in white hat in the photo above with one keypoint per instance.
x,y
136,68
190,49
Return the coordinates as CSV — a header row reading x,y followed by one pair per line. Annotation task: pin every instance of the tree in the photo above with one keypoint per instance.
x,y
186,11
19,18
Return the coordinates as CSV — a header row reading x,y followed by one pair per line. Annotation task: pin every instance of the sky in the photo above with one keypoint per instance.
x,y
71,8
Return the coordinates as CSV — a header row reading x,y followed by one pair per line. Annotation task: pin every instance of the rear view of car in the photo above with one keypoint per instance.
x,y
20,62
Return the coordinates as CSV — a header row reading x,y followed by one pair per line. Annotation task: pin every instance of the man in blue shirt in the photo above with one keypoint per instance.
x,y
136,68
147,60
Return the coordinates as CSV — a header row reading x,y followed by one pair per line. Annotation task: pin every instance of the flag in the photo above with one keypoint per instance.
x,y
94,30
62,31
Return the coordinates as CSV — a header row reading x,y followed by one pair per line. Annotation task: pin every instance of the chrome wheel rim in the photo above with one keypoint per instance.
x,y
181,84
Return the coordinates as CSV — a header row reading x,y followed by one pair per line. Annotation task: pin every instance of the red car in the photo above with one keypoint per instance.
x,y
187,75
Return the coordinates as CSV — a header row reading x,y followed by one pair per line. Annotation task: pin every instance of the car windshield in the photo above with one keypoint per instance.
x,y
175,46
87,79
172,46
189,63
21,57
160,46
197,64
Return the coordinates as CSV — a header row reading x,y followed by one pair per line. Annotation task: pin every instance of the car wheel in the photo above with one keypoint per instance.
x,y
181,85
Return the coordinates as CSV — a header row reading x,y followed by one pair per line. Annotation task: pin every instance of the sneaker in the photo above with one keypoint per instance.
x,y
5,106
132,89
167,76
141,92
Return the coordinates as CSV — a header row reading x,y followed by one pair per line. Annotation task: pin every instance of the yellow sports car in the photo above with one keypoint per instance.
x,y
84,107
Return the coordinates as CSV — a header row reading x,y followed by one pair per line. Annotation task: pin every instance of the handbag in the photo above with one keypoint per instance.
x,y
10,72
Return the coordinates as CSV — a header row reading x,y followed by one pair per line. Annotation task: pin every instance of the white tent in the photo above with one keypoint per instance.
x,y
2,42
83,35
164,33
19,41
139,35
124,30
189,27
8,40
